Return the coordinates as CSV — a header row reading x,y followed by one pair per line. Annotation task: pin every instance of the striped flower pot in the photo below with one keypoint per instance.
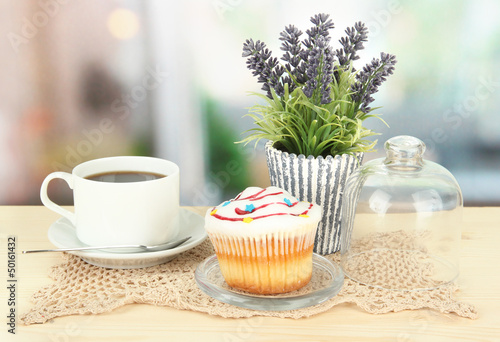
x,y
318,180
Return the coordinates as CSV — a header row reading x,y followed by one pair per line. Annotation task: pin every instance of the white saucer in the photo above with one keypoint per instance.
x,y
63,235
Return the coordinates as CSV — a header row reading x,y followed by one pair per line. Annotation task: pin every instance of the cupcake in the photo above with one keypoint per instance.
x,y
264,240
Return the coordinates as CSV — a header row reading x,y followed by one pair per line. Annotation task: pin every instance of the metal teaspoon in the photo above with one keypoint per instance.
x,y
143,248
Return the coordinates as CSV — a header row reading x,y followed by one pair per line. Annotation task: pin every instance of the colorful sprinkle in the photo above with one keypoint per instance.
x,y
226,203
249,208
247,219
288,202
302,215
213,212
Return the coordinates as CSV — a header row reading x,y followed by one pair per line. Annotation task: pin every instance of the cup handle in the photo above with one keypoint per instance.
x,y
68,177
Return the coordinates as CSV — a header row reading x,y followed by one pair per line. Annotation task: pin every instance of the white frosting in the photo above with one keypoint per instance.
x,y
258,211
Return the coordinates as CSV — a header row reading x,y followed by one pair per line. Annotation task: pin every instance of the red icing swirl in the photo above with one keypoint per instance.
x,y
258,196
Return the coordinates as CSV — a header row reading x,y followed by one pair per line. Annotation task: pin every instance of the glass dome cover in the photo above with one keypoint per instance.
x,y
401,220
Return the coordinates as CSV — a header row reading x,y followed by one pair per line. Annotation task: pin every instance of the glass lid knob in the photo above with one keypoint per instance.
x,y
404,152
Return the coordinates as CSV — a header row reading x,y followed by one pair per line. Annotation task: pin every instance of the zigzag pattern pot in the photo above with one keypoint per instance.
x,y
318,180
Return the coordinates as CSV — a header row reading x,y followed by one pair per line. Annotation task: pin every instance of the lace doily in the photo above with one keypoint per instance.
x,y
81,288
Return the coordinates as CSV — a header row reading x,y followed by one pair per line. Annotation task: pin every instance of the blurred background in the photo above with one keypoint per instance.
x,y
84,79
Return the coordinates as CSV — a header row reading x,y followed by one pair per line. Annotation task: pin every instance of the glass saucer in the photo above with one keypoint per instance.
x,y
326,281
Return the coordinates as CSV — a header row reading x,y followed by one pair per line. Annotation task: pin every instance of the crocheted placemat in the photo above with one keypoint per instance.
x,y
81,288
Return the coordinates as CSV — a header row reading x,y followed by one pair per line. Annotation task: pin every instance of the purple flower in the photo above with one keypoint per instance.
x,y
312,64
261,63
319,60
292,47
356,36
370,78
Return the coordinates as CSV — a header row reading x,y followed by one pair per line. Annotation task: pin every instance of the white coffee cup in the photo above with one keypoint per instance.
x,y
108,213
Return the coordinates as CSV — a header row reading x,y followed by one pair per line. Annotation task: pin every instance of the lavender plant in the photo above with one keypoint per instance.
x,y
316,101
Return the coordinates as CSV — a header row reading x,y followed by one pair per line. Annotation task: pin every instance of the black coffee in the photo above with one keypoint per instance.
x,y
124,176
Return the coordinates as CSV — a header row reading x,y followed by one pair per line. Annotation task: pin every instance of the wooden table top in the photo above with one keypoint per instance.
x,y
479,281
